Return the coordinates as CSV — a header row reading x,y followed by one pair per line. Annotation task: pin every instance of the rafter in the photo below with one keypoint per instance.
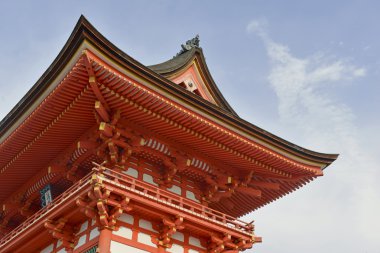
x,y
101,110
264,185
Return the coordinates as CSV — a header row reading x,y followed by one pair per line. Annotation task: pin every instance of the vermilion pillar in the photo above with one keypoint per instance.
x,y
105,240
161,249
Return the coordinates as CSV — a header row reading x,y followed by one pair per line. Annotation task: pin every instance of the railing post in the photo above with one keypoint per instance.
x,y
133,186
224,218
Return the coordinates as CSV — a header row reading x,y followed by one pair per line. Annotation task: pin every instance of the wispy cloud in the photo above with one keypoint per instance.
x,y
302,87
308,105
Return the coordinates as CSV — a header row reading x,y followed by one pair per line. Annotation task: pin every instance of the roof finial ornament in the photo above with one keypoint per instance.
x,y
193,43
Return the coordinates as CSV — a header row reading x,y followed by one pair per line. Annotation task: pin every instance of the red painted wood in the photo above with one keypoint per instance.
x,y
105,240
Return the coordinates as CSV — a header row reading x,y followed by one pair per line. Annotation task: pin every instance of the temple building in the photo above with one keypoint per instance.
x,y
105,154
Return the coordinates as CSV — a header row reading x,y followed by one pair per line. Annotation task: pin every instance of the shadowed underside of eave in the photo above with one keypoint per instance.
x,y
172,123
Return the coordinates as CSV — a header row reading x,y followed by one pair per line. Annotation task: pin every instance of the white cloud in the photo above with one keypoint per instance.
x,y
302,87
360,72
259,27
308,106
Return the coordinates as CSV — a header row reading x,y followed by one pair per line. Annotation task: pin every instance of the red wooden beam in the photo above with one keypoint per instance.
x,y
101,110
93,82
89,145
10,206
248,191
87,64
55,169
265,185
106,129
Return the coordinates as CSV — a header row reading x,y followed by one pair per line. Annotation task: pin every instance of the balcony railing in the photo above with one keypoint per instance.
x,y
140,188
42,214
173,200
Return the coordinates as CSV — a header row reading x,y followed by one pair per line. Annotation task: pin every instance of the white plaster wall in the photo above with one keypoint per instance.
x,y
146,224
62,251
178,236
175,189
132,172
124,232
81,241
176,249
195,242
83,227
117,247
191,195
126,218
94,233
149,179
145,239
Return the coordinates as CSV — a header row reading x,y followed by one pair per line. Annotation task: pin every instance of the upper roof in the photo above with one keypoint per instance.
x,y
181,61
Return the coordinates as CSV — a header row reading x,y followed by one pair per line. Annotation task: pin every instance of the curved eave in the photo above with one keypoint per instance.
x,y
47,77
296,150
177,63
85,31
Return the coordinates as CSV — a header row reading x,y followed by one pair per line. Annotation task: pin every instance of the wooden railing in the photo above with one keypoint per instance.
x,y
141,188
173,200
44,212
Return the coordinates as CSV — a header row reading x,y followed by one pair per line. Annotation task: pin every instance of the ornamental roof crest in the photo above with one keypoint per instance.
x,y
190,44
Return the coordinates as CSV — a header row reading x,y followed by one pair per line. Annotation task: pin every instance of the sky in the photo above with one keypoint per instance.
x,y
307,71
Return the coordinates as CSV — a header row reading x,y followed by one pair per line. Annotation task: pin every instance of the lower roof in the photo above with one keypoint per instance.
x,y
67,112
84,31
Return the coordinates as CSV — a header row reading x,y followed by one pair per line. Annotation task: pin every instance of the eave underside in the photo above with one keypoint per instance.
x,y
68,112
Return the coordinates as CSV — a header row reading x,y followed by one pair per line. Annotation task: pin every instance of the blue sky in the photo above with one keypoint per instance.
x,y
307,71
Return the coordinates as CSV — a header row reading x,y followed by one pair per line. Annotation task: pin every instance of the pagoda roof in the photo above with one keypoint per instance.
x,y
180,61
240,138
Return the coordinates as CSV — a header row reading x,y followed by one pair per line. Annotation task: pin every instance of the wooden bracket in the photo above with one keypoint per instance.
x,y
60,230
224,186
102,206
167,228
226,243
